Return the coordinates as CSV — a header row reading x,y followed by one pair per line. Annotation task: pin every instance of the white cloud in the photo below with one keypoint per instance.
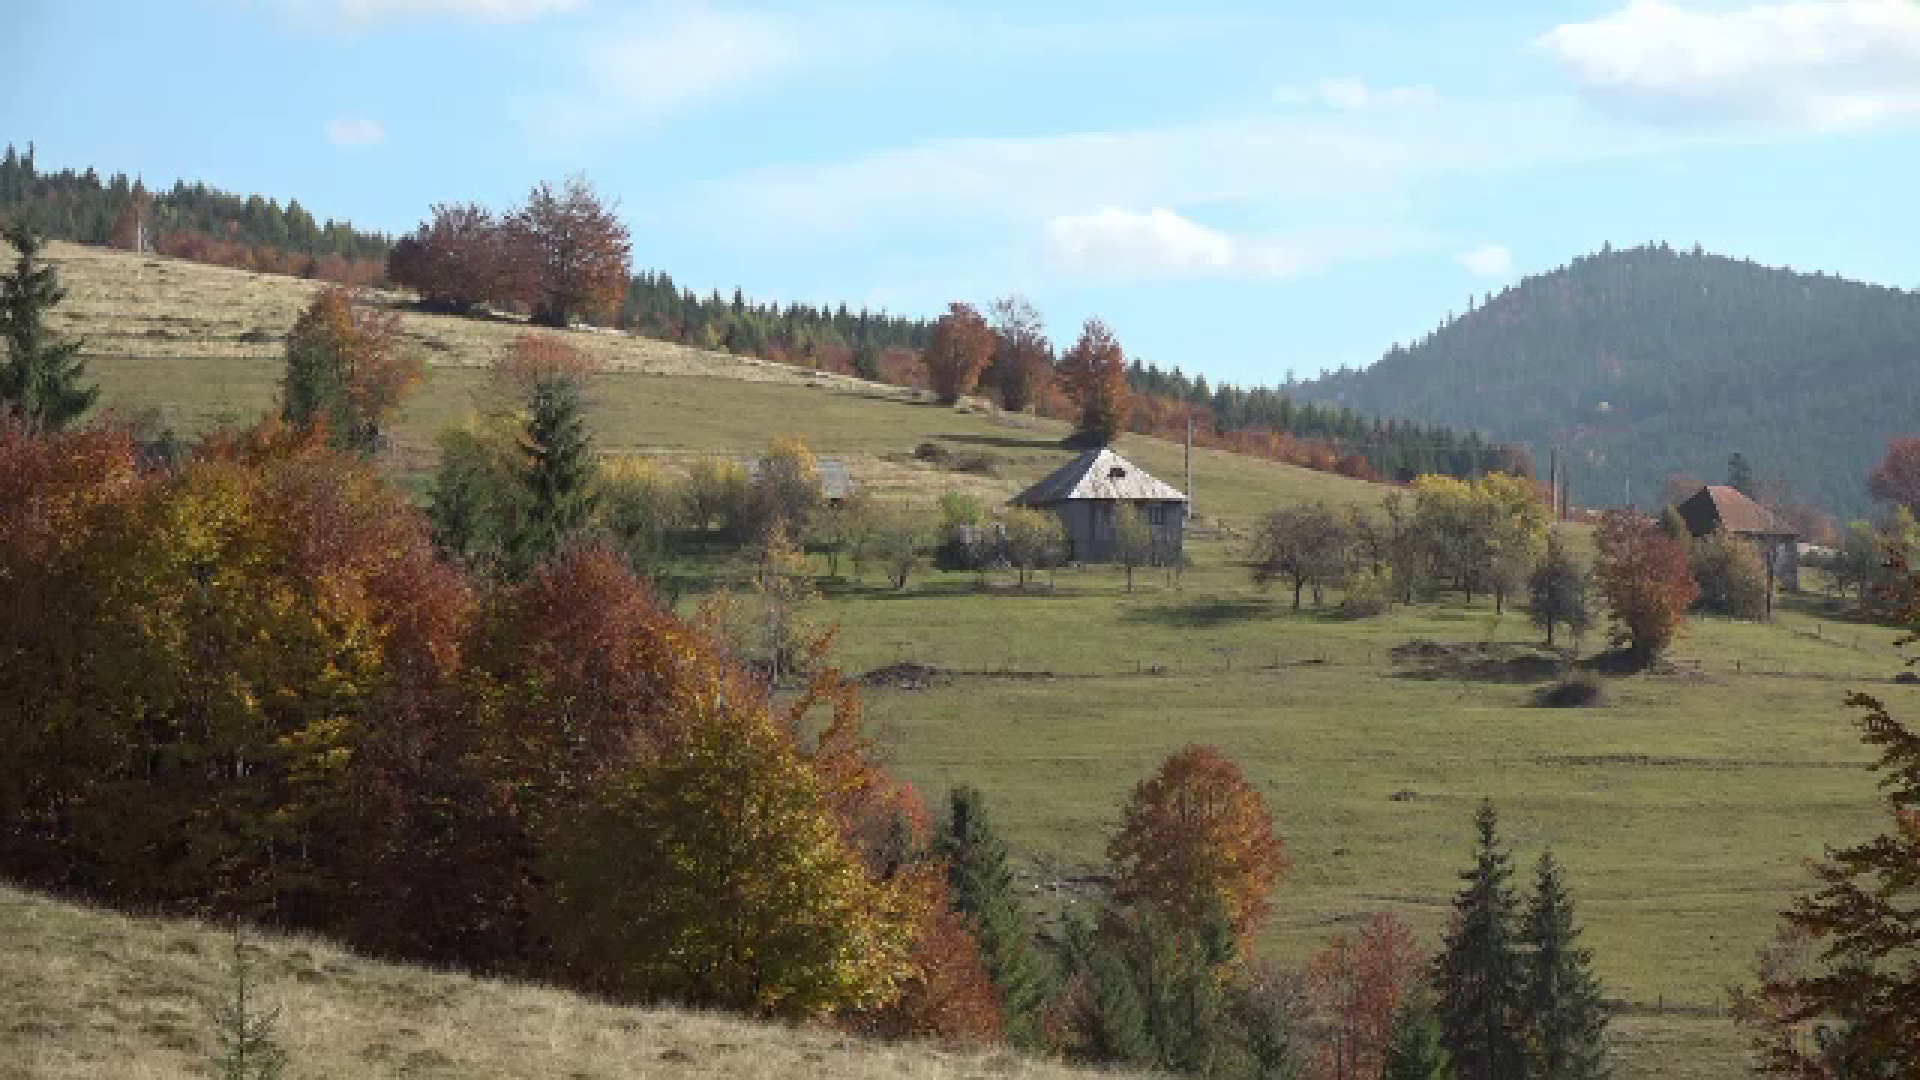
x,y
355,131
1814,64
1487,261
1352,95
365,11
1160,244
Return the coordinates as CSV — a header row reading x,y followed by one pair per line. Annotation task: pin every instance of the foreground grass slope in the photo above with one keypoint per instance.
x,y
197,345
91,994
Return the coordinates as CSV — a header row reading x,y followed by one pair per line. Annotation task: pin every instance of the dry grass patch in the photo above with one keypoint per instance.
x,y
91,994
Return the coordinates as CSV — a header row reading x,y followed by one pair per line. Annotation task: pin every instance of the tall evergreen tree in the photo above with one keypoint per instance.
x,y
983,888
559,470
1566,1021
40,383
1477,973
1740,474
1417,1048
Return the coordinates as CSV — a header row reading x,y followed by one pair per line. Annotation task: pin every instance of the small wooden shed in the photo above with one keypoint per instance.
x,y
1087,493
1718,507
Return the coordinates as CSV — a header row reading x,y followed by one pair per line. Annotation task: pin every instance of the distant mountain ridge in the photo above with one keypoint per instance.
x,y
1644,362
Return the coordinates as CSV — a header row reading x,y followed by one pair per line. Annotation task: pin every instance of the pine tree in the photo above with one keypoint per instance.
x,y
983,888
248,1050
1566,1021
559,470
40,382
1477,973
1417,1048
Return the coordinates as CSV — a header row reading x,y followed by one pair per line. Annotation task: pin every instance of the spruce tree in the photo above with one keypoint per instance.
x,y
1417,1048
1478,974
248,1048
558,473
1566,1021
40,382
983,887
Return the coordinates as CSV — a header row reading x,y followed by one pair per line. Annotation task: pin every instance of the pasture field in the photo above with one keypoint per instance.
x,y
1683,810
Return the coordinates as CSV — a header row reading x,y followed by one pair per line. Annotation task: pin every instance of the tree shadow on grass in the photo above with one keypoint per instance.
x,y
1012,442
1490,662
1208,614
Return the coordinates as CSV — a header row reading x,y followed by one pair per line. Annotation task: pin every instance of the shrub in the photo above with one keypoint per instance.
x,y
1366,595
1585,690
1731,577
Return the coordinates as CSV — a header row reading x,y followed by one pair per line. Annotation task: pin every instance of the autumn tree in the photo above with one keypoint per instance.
x,y
1302,544
346,370
717,496
785,489
1094,375
1644,576
1196,838
131,228
984,890
1478,973
40,384
1557,592
1566,1018
959,352
901,535
1897,478
1036,540
1022,356
577,249
1357,985
1850,1006
459,259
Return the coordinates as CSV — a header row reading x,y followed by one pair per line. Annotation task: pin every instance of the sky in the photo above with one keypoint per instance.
x,y
1244,190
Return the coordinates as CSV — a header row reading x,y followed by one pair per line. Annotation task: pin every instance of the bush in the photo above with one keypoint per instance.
x,y
642,507
716,494
1582,691
1366,595
1732,579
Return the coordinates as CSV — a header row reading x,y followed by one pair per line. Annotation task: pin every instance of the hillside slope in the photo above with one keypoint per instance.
x,y
191,346
1651,361
90,994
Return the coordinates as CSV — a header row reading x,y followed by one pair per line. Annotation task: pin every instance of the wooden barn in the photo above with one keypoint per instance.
x,y
1718,507
1087,493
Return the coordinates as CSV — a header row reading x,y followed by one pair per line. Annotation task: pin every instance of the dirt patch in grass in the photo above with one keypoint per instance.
x,y
1479,661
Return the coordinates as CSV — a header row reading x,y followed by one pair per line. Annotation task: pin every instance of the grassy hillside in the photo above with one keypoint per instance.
x,y
201,344
91,995
1683,810
1650,361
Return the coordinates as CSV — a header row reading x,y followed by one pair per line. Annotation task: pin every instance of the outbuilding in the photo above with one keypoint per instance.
x,y
1719,507
1087,493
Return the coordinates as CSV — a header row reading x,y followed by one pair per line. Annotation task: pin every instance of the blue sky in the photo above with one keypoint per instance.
x,y
1241,189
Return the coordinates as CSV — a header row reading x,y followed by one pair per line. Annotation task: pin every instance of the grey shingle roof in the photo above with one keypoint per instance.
x,y
1099,475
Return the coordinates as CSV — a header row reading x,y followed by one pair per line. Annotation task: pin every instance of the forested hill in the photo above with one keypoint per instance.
x,y
1648,362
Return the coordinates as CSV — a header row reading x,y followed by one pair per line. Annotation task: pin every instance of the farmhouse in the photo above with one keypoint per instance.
x,y
1087,494
1717,507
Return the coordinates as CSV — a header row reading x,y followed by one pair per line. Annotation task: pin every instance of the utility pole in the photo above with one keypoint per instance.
x,y
1189,464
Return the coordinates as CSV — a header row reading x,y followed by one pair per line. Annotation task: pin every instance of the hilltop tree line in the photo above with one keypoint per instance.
x,y
1646,361
188,221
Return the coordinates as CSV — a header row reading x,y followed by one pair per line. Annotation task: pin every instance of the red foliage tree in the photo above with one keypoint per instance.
x,y
1094,375
576,250
457,260
1355,986
1196,840
1644,575
961,347
1897,479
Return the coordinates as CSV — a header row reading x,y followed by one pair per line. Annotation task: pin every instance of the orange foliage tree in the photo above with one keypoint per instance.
x,y
1195,840
961,347
459,259
1644,575
1094,375
1897,478
576,252
1356,986
346,370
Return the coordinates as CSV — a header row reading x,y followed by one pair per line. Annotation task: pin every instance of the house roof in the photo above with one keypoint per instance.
x,y
1099,475
1718,506
836,480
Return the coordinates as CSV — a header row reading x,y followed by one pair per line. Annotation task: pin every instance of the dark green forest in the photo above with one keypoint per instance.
x,y
1647,362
